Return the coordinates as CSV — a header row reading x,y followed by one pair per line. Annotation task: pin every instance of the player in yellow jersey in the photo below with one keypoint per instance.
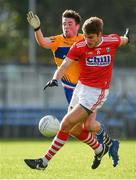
x,y
60,45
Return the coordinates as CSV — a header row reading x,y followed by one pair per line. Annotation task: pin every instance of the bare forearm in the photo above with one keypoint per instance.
x,y
61,70
41,40
58,74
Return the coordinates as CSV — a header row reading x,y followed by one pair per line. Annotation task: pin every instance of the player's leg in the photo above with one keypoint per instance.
x,y
76,115
57,143
103,137
84,131
91,124
113,144
94,126
79,131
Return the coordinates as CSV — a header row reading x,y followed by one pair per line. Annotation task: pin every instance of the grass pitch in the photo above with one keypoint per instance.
x,y
73,161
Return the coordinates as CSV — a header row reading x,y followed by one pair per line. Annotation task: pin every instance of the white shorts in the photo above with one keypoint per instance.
x,y
89,97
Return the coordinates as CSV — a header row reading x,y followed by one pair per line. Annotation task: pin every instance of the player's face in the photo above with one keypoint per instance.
x,y
69,27
92,40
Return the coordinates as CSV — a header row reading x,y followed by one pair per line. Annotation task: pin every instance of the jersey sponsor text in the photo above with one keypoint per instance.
x,y
103,60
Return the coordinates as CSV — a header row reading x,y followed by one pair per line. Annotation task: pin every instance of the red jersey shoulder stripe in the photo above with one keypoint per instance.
x,y
110,38
80,44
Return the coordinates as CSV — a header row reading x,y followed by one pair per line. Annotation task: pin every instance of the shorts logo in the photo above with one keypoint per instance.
x,y
103,60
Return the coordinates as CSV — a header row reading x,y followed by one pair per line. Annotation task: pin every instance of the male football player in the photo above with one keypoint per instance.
x,y
60,45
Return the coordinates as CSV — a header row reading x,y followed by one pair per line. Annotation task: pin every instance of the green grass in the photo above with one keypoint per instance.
x,y
73,161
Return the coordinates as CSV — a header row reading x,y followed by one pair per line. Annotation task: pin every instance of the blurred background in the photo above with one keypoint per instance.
x,y
25,67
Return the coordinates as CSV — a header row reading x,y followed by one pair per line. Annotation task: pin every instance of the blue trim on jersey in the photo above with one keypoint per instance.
x,y
68,94
61,52
68,90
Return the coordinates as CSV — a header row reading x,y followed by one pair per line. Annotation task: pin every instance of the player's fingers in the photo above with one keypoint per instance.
x,y
127,30
28,19
31,15
36,17
46,86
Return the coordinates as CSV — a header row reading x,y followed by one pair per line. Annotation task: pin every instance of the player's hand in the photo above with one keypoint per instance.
x,y
127,34
51,83
33,20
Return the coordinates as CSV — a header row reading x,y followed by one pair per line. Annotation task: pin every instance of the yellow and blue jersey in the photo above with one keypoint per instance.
x,y
60,47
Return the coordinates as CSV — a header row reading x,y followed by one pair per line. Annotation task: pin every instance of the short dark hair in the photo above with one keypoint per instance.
x,y
68,13
93,25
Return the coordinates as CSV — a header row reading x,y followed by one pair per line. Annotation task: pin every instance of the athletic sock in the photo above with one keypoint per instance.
x,y
56,145
88,138
103,137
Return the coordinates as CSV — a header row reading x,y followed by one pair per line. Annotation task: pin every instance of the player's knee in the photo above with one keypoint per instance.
x,y
93,127
76,130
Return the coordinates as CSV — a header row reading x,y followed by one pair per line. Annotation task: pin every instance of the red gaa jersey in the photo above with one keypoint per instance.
x,y
95,63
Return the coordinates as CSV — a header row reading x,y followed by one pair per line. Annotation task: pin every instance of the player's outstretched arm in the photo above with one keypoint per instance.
x,y
34,21
125,39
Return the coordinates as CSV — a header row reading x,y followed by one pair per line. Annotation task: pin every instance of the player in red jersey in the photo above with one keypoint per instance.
x,y
60,45
95,55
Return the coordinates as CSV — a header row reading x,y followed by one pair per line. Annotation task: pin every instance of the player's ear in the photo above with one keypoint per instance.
x,y
78,27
